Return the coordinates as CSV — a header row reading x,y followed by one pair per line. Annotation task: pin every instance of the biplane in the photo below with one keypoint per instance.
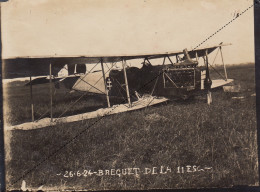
x,y
179,75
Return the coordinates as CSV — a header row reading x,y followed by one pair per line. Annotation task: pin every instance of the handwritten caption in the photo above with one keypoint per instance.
x,y
135,171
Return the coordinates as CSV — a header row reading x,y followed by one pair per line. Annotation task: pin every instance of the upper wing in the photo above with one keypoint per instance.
x,y
38,66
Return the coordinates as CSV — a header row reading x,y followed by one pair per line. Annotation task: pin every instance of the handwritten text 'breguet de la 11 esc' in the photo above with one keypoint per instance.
x,y
136,171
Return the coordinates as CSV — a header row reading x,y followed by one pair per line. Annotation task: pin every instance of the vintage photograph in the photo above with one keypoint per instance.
x,y
128,95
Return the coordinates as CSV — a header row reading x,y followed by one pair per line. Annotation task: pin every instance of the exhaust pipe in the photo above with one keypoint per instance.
x,y
186,54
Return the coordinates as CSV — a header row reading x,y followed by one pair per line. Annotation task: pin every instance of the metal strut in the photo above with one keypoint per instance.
x,y
225,70
51,114
170,59
31,97
104,78
126,83
208,81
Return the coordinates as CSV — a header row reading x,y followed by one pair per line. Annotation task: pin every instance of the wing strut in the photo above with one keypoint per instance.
x,y
223,63
51,93
31,97
126,83
208,81
163,61
104,78
170,59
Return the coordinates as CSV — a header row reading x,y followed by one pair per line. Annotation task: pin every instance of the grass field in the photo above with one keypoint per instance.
x,y
221,136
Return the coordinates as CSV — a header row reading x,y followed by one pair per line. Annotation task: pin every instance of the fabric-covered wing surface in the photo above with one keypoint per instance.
x,y
38,66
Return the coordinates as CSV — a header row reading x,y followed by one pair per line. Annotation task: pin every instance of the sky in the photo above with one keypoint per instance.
x,y
119,27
